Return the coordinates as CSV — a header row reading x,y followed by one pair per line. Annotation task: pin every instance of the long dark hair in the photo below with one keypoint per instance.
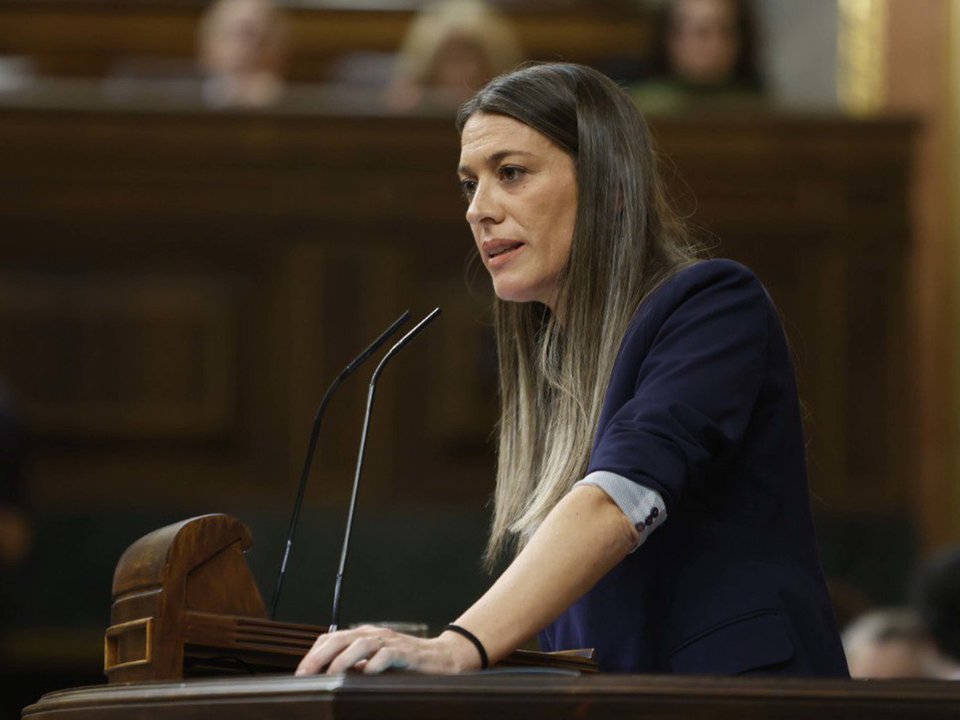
x,y
554,368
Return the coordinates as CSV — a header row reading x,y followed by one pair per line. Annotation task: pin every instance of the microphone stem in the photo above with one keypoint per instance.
x,y
338,588
312,446
371,393
301,490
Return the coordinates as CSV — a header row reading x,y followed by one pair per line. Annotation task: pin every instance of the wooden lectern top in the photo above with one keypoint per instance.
x,y
175,592
493,694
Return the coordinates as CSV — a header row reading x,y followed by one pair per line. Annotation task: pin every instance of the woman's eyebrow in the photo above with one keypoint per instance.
x,y
495,158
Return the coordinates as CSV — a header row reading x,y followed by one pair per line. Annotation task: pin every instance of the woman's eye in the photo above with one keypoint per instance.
x,y
510,173
468,188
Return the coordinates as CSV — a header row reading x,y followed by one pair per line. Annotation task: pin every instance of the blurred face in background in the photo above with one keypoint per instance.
x,y
522,194
461,65
895,658
242,37
703,41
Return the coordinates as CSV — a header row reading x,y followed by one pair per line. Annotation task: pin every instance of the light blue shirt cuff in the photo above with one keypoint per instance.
x,y
643,506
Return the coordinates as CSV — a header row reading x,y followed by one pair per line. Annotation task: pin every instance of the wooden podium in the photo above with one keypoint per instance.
x,y
185,604
500,695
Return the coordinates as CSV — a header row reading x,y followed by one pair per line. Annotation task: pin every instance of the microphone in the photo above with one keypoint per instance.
x,y
311,446
371,392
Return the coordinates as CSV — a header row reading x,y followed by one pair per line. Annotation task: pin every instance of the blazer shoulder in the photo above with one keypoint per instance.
x,y
701,280
706,273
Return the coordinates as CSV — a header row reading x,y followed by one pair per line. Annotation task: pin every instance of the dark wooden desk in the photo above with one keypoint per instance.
x,y
490,695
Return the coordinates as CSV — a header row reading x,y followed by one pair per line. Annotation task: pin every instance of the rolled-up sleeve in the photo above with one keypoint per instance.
x,y
642,506
698,374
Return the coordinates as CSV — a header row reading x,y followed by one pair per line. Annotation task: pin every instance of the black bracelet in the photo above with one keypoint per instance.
x,y
484,660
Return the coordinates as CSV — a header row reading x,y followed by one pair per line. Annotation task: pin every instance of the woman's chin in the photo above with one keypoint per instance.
x,y
512,293
519,292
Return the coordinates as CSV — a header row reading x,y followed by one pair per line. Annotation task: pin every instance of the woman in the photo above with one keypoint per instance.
x,y
243,47
704,55
451,49
707,43
637,385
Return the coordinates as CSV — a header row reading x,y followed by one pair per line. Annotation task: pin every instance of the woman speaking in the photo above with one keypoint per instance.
x,y
651,483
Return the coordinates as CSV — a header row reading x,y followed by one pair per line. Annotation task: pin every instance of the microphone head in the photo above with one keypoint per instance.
x,y
411,334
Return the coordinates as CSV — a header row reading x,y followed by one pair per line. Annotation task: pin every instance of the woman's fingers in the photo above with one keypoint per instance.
x,y
373,650
339,651
360,649
387,658
325,648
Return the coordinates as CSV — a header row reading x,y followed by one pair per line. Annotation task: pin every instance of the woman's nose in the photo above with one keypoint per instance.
x,y
483,206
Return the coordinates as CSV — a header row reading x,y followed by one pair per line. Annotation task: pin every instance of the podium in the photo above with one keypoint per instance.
x,y
186,605
506,694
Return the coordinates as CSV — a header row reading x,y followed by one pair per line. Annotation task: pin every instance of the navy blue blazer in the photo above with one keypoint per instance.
x,y
702,407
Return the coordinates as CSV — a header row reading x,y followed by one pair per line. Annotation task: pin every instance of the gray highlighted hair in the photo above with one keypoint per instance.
x,y
555,366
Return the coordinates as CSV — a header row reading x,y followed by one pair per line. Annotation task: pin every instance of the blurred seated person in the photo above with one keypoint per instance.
x,y
242,51
451,49
937,598
704,53
892,643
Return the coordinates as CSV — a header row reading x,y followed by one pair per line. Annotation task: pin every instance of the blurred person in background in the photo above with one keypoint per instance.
x,y
242,53
451,49
892,643
937,599
704,52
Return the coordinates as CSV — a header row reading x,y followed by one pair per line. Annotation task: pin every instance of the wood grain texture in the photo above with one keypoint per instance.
x,y
286,240
485,695
185,604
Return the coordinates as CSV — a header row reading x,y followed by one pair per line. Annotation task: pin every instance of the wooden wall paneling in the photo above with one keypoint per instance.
x,y
306,230
827,383
821,213
340,297
88,39
465,369
872,449
325,227
439,463
103,357
953,179
920,42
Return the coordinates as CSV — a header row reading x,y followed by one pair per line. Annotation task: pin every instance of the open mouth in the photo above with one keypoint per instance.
x,y
503,249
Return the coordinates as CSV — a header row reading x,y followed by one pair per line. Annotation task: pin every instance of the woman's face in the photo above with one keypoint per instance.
x,y
522,190
244,38
461,66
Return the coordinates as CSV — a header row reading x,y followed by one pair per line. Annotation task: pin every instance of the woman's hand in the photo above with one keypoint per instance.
x,y
578,543
371,650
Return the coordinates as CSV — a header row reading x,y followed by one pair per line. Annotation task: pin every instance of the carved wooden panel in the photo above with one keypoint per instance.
x,y
97,355
304,233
